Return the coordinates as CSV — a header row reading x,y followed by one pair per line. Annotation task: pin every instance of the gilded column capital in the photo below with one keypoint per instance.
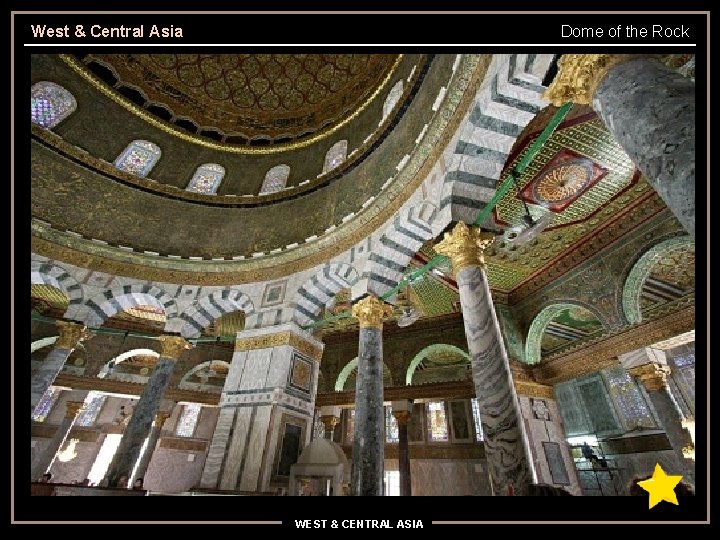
x,y
401,417
71,333
652,376
370,312
465,246
329,421
579,75
73,408
160,418
173,346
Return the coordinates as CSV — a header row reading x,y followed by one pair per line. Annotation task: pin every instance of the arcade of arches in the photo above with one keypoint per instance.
x,y
422,274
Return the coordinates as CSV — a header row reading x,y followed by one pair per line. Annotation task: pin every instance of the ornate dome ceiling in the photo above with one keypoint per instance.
x,y
249,98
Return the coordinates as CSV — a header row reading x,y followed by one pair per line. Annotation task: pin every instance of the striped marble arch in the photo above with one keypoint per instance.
x,y
211,307
316,292
56,276
119,299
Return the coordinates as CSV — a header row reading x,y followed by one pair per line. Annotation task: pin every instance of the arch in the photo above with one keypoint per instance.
x,y
438,347
533,343
510,96
44,342
352,366
632,289
213,306
56,276
206,179
50,104
275,179
397,246
138,158
110,364
185,378
317,291
392,98
113,301
335,156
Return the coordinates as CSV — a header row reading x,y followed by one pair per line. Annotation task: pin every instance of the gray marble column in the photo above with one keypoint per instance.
x,y
45,460
141,421
402,410
505,441
70,335
153,438
368,456
650,109
654,378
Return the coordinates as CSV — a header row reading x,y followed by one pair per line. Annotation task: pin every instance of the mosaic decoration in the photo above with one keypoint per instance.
x,y
187,422
443,362
274,294
94,402
50,104
392,434
207,179
393,97
138,158
573,322
680,251
437,421
565,178
52,296
275,179
256,96
301,373
46,404
335,156
628,399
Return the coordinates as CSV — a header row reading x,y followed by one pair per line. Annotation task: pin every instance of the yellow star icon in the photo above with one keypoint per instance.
x,y
661,486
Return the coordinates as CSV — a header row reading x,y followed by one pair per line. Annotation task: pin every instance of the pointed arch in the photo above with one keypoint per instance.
x,y
319,289
50,104
351,367
113,301
430,349
533,352
632,289
211,307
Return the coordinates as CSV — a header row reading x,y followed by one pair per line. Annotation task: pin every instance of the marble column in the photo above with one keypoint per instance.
x,y
330,417
141,421
649,108
153,438
73,408
401,411
654,379
70,335
266,412
506,450
368,455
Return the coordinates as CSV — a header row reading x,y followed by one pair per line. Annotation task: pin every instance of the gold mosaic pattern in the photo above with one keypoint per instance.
x,y
53,296
435,298
256,95
592,140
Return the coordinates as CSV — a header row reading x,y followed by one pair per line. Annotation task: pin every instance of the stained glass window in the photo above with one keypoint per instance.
x,y
50,104
350,425
335,156
93,403
275,179
628,399
207,179
437,422
46,404
684,375
391,426
188,420
476,419
392,98
138,158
